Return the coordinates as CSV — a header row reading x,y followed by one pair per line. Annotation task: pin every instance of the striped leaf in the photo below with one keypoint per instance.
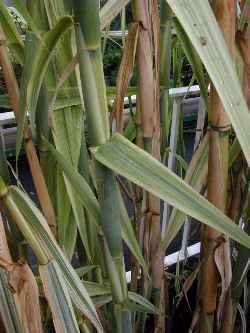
x,y
88,200
42,57
14,40
58,297
199,22
31,44
8,307
91,204
196,177
39,226
22,9
125,158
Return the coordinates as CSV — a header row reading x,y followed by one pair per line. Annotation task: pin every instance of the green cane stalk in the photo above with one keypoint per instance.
x,y
94,95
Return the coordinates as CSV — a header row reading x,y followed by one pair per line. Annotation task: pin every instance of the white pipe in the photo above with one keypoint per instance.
x,y
175,257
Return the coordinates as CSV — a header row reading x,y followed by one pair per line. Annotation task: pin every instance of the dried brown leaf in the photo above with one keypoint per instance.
x,y
23,283
125,73
222,259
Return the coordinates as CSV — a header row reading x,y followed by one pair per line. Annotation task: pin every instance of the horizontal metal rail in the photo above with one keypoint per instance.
x,y
174,258
188,96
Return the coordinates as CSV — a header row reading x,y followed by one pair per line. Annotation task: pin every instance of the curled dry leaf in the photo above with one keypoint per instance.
x,y
125,73
222,261
23,283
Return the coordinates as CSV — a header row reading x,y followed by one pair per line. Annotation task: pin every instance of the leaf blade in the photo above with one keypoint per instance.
x,y
135,164
199,22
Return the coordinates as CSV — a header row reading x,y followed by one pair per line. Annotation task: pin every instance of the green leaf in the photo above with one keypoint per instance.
x,y
196,177
91,204
41,231
42,57
199,22
84,192
5,102
96,289
30,48
145,305
66,227
193,59
70,96
58,297
125,158
130,130
102,300
14,40
67,136
234,152
81,271
22,9
128,235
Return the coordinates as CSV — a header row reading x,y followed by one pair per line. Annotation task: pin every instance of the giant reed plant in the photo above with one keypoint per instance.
x,y
62,104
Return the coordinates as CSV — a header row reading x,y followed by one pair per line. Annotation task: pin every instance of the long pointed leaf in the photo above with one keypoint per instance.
x,y
195,177
200,24
59,300
41,230
30,47
22,9
90,202
135,164
42,59
14,40
193,59
8,307
85,194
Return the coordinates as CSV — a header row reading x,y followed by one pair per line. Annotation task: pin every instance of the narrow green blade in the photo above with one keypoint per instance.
x,y
31,44
8,307
38,224
135,164
58,297
42,57
193,59
14,40
22,9
89,201
199,22
85,194
195,176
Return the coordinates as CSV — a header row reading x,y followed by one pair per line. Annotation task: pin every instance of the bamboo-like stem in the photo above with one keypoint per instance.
x,y
225,12
35,168
238,277
147,16
165,66
94,94
138,197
